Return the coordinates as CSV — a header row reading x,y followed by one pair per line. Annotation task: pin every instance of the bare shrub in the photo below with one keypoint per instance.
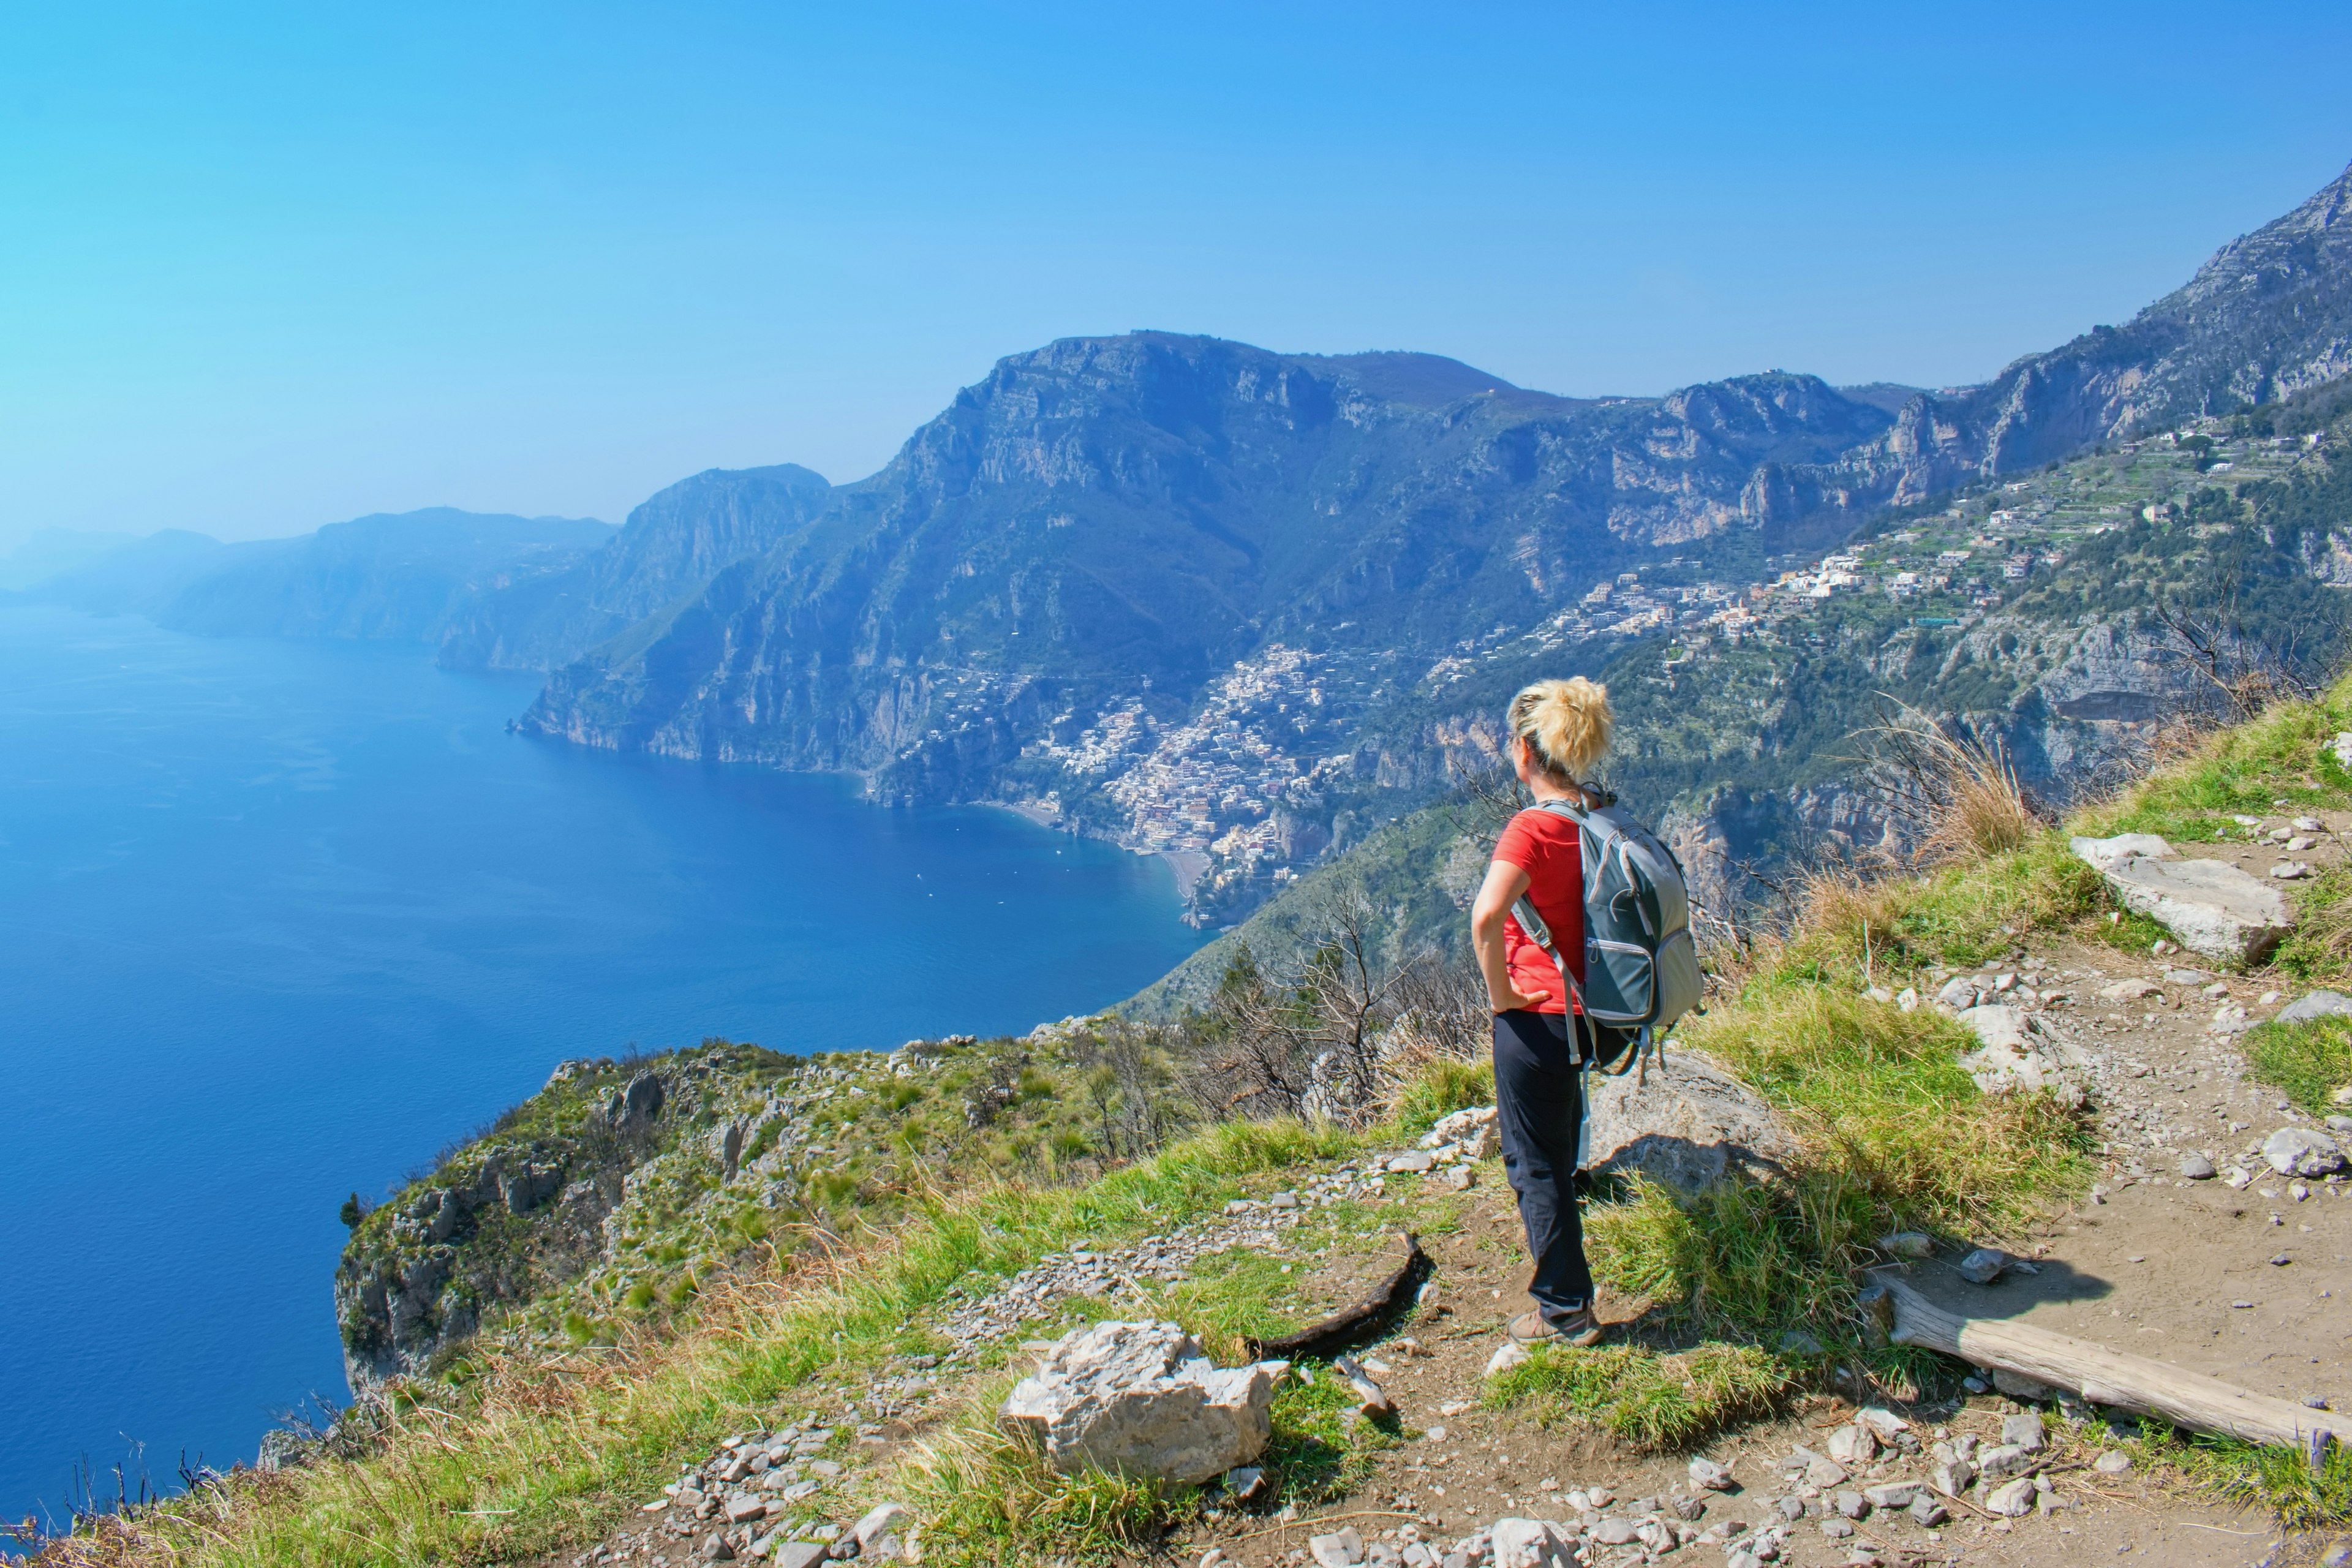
x,y
1954,790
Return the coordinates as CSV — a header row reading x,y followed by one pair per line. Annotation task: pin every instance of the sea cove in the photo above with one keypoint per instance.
x,y
280,919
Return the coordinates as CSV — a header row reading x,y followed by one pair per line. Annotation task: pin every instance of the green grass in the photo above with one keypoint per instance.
x,y
1655,1401
2277,1479
2309,1061
2246,769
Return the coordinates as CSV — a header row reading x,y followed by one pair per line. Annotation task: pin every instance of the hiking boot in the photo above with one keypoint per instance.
x,y
1578,1329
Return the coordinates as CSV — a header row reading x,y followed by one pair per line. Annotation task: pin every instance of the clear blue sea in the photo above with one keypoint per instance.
x,y
280,920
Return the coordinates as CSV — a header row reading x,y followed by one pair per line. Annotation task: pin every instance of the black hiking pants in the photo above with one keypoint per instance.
x,y
1538,1108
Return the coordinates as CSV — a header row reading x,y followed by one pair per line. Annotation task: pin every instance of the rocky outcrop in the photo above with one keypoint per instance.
x,y
528,1205
2212,906
1139,1399
1689,1124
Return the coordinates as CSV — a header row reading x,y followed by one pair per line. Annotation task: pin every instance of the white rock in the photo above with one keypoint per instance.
x,y
2012,1500
2114,1462
1341,1549
1882,1421
1473,1129
877,1520
1535,1543
1510,1353
1689,1126
1140,1398
1853,1446
2342,747
1706,1474
1983,1266
1958,994
1412,1162
1952,1476
2299,1151
2291,870
2230,1018
2003,1459
2212,906
2106,852
2129,990
1891,1494
1907,999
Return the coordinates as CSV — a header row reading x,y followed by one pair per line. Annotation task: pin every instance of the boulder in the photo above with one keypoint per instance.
x,y
1689,1125
2299,1151
1140,1399
2106,852
2212,906
2318,1005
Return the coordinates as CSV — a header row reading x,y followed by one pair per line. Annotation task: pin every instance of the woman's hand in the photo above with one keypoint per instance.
x,y
1510,1001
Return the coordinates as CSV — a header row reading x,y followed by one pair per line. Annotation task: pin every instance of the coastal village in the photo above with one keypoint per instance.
x,y
1227,796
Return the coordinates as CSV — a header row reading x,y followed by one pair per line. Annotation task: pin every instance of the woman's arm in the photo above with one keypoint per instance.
x,y
1504,882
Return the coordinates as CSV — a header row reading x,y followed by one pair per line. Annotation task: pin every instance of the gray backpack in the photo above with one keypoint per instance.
x,y
1641,966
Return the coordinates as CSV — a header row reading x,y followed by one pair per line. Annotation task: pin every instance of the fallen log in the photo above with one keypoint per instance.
x,y
1345,1323
2103,1376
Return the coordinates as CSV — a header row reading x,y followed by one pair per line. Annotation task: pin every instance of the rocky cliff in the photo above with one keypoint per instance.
x,y
2268,317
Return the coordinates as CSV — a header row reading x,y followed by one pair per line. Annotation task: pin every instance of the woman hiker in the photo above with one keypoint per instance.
x,y
1559,730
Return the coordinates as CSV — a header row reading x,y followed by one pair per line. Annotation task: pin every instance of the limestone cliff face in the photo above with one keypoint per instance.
x,y
1121,514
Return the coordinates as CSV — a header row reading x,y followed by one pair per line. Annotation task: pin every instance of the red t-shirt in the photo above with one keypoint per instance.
x,y
1550,849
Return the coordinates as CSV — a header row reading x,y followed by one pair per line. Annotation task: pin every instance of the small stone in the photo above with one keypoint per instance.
x,y
1837,1529
1892,1494
1342,1548
1791,1507
2005,1459
714,1549
1508,1354
1244,1482
1411,1163
2114,1462
2317,1004
1824,1473
1908,1244
1283,1201
1853,1446
2196,1167
1613,1531
1983,1266
2012,1500
1850,1504
1688,1507
1952,1476
1926,1512
1796,1342
2020,1387
2290,871
2022,1431
1706,1474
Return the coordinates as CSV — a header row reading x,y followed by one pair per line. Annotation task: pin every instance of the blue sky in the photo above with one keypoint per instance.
x,y
265,268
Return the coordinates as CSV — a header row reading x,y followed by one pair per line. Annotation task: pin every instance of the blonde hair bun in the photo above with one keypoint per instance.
x,y
1565,722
